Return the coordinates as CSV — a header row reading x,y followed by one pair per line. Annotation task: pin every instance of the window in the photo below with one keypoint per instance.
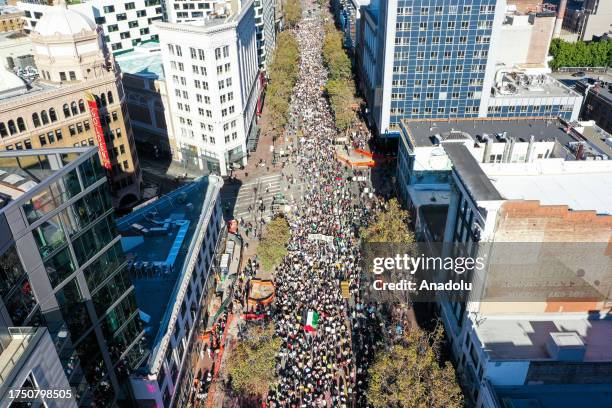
x,y
72,75
109,9
74,109
218,53
62,76
35,120
112,28
52,116
130,6
121,17
43,116
81,106
42,140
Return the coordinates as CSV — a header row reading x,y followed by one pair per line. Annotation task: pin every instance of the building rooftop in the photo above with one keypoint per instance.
x,y
518,84
581,185
554,395
528,338
594,135
8,9
422,133
470,173
144,60
158,241
599,82
23,170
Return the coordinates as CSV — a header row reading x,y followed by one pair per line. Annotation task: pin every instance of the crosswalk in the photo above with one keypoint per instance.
x,y
250,193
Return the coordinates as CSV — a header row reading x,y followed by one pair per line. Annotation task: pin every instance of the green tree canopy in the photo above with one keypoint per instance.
x,y
390,225
293,12
340,86
580,54
334,55
273,246
251,364
282,73
410,374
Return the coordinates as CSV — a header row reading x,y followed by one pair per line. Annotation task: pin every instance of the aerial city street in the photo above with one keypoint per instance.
x,y
305,203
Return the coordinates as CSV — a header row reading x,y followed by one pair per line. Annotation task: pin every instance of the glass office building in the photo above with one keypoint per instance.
x,y
427,59
440,59
62,267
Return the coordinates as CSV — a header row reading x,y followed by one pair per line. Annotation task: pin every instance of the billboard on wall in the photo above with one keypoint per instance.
x,y
97,126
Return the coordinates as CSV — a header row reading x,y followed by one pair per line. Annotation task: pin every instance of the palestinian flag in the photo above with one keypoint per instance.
x,y
312,321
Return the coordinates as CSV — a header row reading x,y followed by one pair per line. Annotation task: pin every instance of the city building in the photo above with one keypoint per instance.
x,y
451,60
541,340
424,168
213,82
28,360
63,269
590,21
278,15
170,245
597,104
125,24
16,51
348,16
11,19
266,32
76,100
143,79
178,11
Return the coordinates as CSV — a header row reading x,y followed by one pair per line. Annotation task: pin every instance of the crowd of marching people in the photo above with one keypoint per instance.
x,y
325,343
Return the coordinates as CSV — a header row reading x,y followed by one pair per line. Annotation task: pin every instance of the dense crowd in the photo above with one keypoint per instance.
x,y
320,363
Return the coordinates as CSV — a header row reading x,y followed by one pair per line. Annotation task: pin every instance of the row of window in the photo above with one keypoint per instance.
x,y
463,39
437,25
452,9
448,68
429,110
529,108
50,116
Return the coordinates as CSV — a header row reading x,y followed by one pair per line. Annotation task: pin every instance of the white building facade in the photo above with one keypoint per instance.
x,y
125,24
211,70
180,11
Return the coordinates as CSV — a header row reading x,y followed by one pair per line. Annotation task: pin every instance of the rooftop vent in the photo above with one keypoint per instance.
x,y
565,346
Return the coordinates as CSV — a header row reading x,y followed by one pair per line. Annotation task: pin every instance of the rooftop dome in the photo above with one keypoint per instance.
x,y
63,21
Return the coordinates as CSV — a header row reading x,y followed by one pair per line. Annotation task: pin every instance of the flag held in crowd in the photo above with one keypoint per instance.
x,y
312,321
